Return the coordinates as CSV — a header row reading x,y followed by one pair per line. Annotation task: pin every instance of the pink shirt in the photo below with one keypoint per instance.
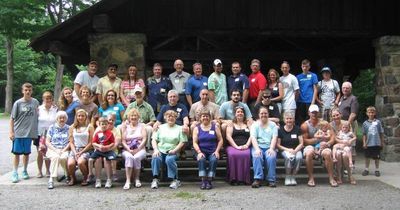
x,y
128,87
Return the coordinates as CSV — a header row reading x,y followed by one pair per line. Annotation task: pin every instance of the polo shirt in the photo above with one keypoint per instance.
x,y
240,82
257,83
178,81
348,105
105,84
158,91
194,85
145,110
217,83
306,83
179,108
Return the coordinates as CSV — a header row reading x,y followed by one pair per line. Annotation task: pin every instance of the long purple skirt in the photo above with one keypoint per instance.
x,y
238,165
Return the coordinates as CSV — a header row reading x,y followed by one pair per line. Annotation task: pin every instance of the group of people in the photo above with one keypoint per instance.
x,y
297,117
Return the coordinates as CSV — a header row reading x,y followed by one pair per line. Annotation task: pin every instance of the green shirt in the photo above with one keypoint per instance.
x,y
169,137
217,83
145,110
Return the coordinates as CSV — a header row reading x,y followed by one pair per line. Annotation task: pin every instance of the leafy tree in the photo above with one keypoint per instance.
x,y
19,19
364,89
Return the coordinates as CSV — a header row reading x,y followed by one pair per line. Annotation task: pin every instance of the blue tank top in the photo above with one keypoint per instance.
x,y
207,139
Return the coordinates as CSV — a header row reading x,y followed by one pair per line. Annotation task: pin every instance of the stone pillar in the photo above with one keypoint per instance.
x,y
122,49
387,100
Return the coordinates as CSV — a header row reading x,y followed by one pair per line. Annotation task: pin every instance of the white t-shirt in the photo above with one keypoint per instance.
x,y
290,85
83,78
46,118
327,92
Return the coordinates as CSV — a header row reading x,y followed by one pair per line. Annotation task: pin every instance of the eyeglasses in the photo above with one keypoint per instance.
x,y
110,95
266,97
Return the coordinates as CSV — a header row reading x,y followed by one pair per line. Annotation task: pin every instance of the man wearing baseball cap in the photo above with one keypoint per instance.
x,y
217,84
328,93
309,128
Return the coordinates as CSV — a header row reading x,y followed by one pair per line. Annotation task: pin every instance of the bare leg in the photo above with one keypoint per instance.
x,y
39,161
346,162
25,161
82,164
339,167
128,173
16,162
71,169
108,169
377,164
326,153
98,167
310,167
137,174
47,163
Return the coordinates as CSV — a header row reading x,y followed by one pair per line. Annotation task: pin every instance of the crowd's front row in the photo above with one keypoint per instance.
x,y
259,143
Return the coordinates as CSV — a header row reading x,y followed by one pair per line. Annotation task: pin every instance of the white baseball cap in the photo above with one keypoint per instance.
x,y
217,62
313,108
137,89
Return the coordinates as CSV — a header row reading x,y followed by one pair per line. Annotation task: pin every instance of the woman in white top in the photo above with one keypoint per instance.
x,y
80,140
134,141
47,117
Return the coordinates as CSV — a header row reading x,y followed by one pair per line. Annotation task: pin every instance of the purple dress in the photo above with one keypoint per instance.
x,y
239,160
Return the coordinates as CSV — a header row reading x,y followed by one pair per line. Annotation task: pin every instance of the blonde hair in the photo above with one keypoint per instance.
x,y
371,108
170,112
76,123
133,112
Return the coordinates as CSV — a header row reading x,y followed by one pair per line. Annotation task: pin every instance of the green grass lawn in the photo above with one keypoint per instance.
x,y
4,116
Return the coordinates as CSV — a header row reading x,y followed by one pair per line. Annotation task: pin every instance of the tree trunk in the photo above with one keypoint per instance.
x,y
59,78
10,74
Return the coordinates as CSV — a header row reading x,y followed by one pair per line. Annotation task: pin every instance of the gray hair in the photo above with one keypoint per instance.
x,y
347,84
173,92
288,114
60,114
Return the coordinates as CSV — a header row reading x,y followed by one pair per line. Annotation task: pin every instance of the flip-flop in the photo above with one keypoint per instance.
x,y
311,183
333,183
84,182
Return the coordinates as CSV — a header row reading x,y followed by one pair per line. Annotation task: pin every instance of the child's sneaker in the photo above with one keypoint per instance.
x,y
14,177
25,175
377,173
175,184
98,183
365,173
108,183
154,184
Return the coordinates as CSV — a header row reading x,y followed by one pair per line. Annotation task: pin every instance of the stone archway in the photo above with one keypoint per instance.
x,y
387,100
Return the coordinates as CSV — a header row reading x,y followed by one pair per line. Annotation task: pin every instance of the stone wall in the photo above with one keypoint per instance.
x,y
387,100
122,49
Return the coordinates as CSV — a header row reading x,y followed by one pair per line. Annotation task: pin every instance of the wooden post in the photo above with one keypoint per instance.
x,y
59,78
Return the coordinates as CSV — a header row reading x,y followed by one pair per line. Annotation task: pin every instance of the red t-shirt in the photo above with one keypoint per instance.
x,y
104,137
257,83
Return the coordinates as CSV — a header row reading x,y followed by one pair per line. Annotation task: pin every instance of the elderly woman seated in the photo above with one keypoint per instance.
x,y
167,141
57,142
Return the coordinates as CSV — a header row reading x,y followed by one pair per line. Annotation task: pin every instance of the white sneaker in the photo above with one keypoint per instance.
x,y
175,184
293,181
137,183
98,183
108,183
288,181
154,184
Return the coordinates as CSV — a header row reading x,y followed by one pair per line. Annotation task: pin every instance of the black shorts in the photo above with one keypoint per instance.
x,y
36,141
373,152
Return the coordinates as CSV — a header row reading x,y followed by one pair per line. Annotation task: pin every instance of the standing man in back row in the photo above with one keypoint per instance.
x,y
178,80
258,83
195,84
290,89
308,91
217,84
238,81
87,78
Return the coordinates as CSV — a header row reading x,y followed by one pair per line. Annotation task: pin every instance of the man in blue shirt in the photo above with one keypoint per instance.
x,y
238,81
183,114
195,84
308,91
157,88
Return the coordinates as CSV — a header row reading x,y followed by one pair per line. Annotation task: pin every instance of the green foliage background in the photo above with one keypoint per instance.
x,y
364,89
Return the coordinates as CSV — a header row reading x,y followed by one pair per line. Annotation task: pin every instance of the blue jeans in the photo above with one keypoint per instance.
x,y
212,165
169,160
265,161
